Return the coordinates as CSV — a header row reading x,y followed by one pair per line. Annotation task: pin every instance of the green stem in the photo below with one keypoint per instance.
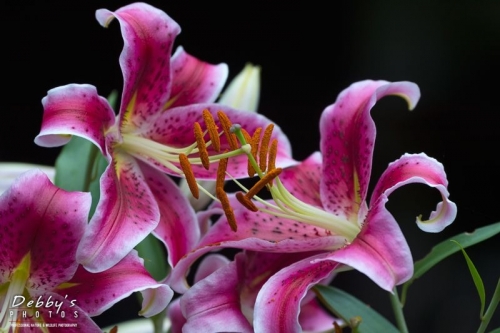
x,y
491,309
398,311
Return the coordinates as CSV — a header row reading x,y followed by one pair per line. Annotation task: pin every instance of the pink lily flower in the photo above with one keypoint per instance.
x,y
321,204
235,305
41,284
163,96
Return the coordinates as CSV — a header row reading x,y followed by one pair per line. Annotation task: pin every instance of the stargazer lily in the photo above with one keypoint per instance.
x,y
321,204
152,134
40,281
213,306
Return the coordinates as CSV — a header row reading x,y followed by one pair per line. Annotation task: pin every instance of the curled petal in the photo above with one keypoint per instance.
x,y
127,212
38,218
97,292
419,168
347,140
178,227
279,301
195,81
148,35
380,250
210,264
74,109
213,304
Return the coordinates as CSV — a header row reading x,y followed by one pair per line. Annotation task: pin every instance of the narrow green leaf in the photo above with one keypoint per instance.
x,y
446,248
100,164
349,308
496,330
476,277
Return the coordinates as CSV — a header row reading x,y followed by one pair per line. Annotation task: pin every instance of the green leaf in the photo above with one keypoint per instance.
x,y
496,330
446,248
350,309
155,260
74,165
476,277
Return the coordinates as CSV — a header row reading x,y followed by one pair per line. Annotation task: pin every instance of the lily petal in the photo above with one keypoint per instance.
x,y
256,232
278,302
303,180
175,128
174,314
53,222
212,306
178,228
148,35
195,81
97,292
127,212
347,140
74,109
314,318
419,168
380,251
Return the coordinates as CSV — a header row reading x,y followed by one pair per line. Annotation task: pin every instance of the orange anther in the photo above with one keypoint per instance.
x,y
188,172
226,126
212,129
228,211
255,150
246,202
273,151
263,182
264,146
221,173
202,148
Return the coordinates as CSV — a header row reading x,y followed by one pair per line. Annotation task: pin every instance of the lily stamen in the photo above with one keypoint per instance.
x,y
212,129
246,202
202,148
255,149
271,158
228,210
188,172
226,126
221,173
268,177
264,147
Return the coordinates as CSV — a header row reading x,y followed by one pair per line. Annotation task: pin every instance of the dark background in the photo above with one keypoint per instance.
x,y
308,54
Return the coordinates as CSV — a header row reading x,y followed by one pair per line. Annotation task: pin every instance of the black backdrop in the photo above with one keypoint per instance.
x,y
308,54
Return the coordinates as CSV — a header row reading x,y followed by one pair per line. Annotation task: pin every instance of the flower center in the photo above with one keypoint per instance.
x,y
197,153
285,204
15,287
